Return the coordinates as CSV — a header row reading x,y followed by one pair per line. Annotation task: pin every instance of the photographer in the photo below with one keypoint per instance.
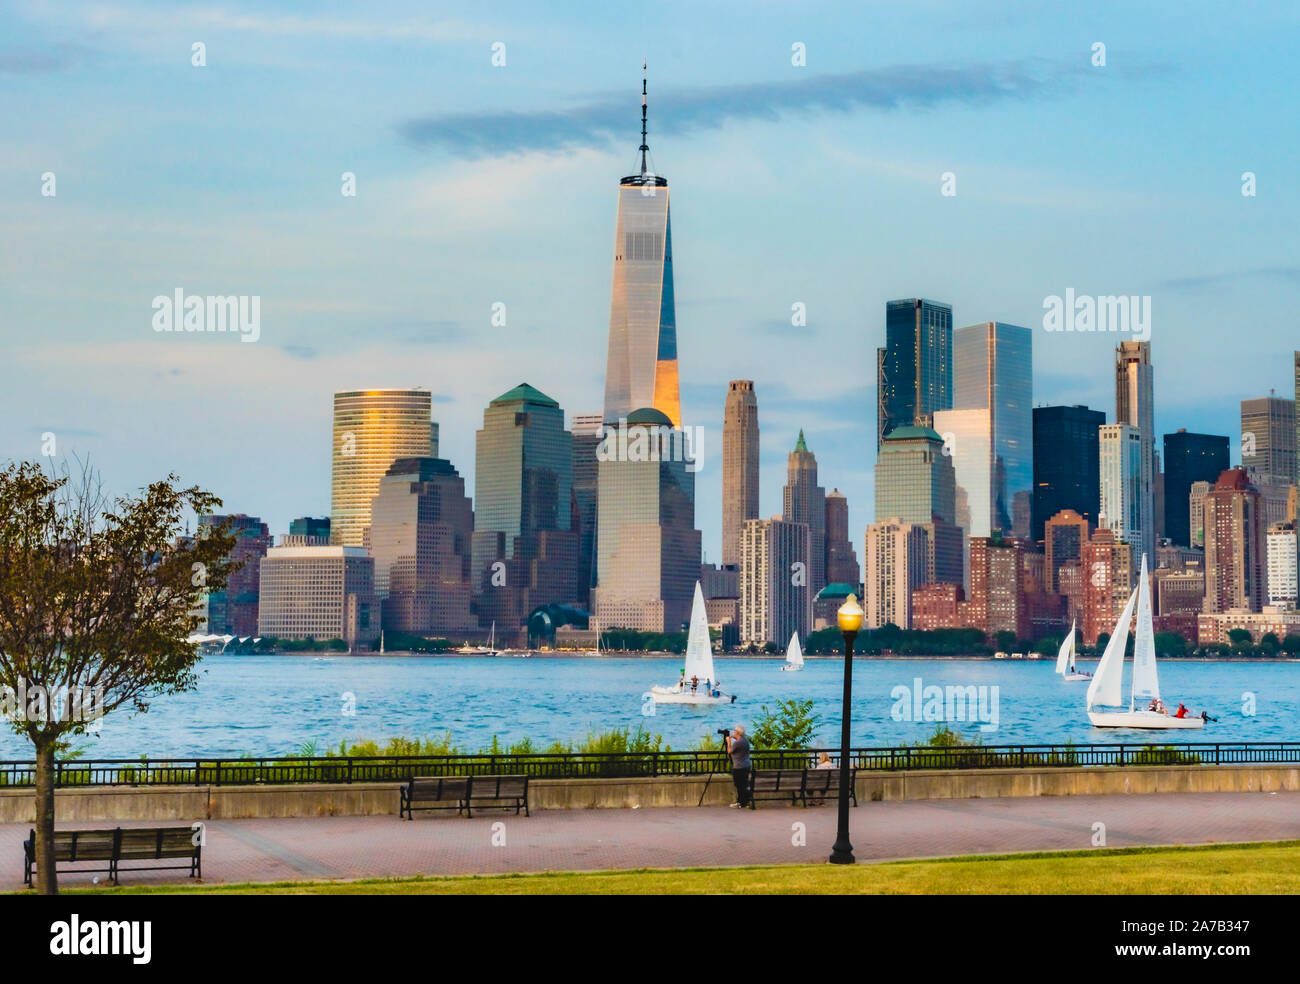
x,y
737,746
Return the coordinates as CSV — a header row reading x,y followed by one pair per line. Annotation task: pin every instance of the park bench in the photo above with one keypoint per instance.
x,y
461,792
797,785
134,845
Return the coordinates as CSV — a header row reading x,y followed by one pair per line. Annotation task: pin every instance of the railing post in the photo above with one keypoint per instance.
x,y
349,769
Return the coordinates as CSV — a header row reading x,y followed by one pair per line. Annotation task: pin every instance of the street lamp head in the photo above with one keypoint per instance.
x,y
850,615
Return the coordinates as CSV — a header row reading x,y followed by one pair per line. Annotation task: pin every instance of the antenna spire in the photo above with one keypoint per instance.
x,y
644,146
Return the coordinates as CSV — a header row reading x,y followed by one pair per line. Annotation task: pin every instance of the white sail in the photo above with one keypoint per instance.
x,y
1106,689
793,654
699,650
1146,686
1067,650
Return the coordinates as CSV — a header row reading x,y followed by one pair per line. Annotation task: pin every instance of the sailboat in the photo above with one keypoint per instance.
x,y
489,650
699,665
1065,659
1106,689
793,655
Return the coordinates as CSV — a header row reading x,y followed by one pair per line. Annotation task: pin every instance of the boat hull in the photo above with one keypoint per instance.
x,y
1076,676
671,695
791,669
1143,719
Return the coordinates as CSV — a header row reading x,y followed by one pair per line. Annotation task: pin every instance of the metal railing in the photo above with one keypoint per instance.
x,y
594,765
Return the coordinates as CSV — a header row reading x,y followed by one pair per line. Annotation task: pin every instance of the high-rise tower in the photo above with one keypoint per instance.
x,y
1135,406
914,369
739,465
641,369
804,501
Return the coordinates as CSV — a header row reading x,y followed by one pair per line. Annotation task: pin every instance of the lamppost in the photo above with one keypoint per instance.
x,y
850,621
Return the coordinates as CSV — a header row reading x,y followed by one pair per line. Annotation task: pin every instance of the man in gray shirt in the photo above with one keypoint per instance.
x,y
738,748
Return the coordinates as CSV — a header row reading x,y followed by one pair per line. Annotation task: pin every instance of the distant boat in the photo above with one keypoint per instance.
x,y
1065,659
489,650
793,655
1107,687
698,665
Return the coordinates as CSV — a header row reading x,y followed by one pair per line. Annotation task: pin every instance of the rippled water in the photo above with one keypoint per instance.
x,y
270,705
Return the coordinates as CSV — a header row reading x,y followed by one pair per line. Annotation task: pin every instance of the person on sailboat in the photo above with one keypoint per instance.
x,y
695,683
1182,710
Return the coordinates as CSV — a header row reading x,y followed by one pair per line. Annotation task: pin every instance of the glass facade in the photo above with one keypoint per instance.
x,y
915,480
523,475
914,369
993,370
1066,464
372,429
1189,458
641,368
1122,502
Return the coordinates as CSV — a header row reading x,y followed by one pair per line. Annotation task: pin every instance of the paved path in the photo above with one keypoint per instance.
x,y
568,840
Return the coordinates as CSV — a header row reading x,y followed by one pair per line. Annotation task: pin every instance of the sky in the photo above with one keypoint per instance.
x,y
482,184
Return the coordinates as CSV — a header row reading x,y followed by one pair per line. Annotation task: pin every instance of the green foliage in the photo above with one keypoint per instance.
x,y
1239,637
1170,644
873,642
1005,641
632,640
792,725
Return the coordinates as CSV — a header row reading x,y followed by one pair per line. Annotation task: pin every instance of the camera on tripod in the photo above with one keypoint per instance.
x,y
725,732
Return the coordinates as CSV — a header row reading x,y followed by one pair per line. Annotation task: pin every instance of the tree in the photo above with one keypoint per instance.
x,y
793,725
1269,644
1291,643
1240,638
1170,644
1005,640
97,598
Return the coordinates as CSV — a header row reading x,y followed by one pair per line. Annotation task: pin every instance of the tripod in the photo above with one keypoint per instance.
x,y
724,760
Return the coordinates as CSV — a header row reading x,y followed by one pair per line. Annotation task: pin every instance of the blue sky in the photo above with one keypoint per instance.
x,y
479,184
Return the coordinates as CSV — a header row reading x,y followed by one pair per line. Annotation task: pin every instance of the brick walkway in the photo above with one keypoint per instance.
x,y
568,840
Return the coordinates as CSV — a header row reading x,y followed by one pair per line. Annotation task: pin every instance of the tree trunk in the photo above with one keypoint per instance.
x,y
46,883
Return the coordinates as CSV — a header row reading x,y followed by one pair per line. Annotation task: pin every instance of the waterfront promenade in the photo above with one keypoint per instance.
x,y
588,840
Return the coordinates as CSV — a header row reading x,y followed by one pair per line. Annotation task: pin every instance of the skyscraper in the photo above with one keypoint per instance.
x,y
641,368
804,501
421,527
523,508
1189,458
773,605
1282,562
1235,561
1196,511
914,369
993,370
647,547
915,480
587,430
841,558
322,593
1109,574
1064,536
1268,451
234,610
894,553
739,465
1121,455
372,429
1135,405
1066,464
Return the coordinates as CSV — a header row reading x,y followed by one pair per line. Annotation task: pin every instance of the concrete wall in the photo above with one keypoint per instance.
x,y
187,803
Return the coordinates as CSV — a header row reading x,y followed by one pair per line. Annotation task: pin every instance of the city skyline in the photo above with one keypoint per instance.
x,y
109,387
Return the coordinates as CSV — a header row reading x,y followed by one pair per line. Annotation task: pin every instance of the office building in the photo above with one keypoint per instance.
x,y
1281,551
421,528
841,558
1135,406
587,430
320,593
307,531
739,465
914,369
1235,561
804,501
915,478
1109,574
1067,464
1189,458
1063,538
647,546
372,429
234,610
1122,502
774,601
641,367
993,371
894,554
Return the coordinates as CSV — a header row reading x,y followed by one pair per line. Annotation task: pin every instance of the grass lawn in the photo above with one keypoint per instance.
x,y
1244,869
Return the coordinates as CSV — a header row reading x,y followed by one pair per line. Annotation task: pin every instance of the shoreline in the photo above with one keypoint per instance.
x,y
773,658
